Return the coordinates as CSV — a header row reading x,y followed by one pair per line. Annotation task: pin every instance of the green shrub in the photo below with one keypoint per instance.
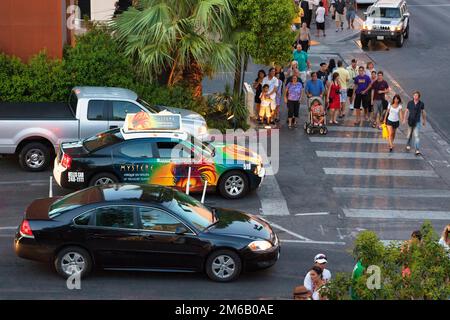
x,y
97,60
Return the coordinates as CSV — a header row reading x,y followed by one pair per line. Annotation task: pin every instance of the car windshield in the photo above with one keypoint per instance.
x,y
390,13
102,140
192,210
148,106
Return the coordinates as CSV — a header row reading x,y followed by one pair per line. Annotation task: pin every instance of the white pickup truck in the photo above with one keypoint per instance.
x,y
34,131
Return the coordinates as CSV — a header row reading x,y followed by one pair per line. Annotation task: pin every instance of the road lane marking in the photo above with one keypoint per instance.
x,y
393,192
272,200
387,243
368,155
397,214
24,182
288,231
314,242
313,214
381,172
353,129
354,140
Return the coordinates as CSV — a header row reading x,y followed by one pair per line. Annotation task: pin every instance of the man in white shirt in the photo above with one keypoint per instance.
x,y
320,260
272,82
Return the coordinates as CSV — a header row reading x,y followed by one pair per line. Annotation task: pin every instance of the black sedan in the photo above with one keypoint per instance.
x,y
143,227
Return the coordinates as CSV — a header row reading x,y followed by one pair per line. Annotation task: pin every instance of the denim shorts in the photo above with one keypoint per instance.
x,y
351,14
343,95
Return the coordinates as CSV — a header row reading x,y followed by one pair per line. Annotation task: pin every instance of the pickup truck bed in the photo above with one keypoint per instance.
x,y
36,111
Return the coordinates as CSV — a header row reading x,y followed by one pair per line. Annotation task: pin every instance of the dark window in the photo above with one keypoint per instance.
x,y
137,150
95,110
83,220
103,140
85,8
121,108
115,217
158,220
171,150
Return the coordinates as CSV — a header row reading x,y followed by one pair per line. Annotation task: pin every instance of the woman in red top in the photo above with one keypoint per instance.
x,y
333,97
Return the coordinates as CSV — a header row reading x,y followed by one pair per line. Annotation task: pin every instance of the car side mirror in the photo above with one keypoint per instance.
x,y
366,13
406,15
181,230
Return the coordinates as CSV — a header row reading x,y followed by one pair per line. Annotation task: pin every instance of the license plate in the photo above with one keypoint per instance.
x,y
380,37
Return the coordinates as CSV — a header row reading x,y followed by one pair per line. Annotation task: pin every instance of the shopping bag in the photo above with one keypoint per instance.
x,y
384,131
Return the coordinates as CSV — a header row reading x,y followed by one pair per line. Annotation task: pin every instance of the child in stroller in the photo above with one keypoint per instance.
x,y
317,116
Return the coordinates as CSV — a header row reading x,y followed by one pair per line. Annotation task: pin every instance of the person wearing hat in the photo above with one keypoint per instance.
x,y
320,260
301,293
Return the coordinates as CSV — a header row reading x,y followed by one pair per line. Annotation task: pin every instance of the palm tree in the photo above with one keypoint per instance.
x,y
172,41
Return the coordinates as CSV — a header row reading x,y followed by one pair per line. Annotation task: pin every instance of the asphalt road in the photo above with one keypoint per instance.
x,y
423,62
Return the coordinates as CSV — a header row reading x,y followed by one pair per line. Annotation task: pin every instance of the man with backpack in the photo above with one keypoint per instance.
x,y
415,113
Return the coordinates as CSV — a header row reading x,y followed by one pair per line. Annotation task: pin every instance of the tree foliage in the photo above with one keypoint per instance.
x,y
175,40
428,263
263,29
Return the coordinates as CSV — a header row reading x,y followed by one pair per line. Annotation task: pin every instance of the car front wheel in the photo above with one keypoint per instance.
x,y
400,40
223,266
364,41
73,260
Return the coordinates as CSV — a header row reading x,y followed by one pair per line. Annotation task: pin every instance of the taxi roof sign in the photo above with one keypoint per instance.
x,y
143,121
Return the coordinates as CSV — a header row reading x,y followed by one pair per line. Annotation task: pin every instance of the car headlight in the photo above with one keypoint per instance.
x,y
367,27
260,245
395,28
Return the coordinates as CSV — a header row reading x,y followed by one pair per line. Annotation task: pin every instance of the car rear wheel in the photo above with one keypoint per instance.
x,y
34,156
233,185
223,266
102,179
73,260
407,32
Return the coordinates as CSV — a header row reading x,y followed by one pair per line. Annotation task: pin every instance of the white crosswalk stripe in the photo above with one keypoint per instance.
x,y
397,214
368,155
380,172
354,140
393,192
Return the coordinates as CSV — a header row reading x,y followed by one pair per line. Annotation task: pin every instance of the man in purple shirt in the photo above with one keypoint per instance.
x,y
361,87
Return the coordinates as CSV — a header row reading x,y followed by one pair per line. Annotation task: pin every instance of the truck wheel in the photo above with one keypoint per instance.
x,y
71,260
223,266
234,184
364,42
103,178
400,40
34,156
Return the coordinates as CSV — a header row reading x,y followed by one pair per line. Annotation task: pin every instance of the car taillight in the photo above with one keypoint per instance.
x,y
66,161
25,229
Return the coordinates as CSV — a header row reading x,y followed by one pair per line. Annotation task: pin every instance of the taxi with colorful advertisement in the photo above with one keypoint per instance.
x,y
153,149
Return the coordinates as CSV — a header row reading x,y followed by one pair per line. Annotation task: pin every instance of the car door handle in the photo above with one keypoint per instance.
x,y
113,127
149,237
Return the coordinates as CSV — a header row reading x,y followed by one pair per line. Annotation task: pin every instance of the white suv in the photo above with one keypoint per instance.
x,y
386,20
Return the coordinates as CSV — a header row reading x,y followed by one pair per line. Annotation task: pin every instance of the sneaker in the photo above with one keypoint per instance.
x,y
418,153
408,148
337,30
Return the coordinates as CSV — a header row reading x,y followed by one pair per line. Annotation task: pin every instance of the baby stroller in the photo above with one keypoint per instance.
x,y
311,127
